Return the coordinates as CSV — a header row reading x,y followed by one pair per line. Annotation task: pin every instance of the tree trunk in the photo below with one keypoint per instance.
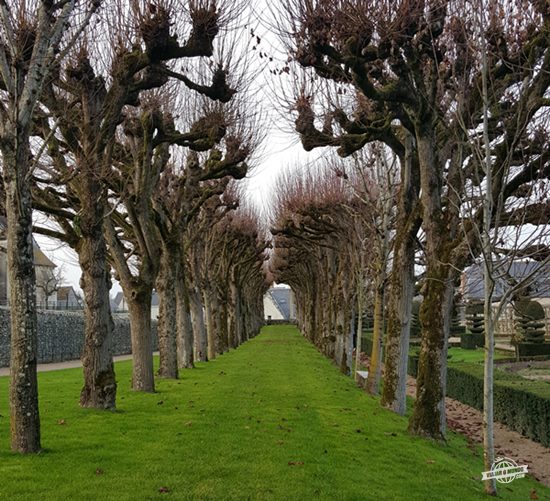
x,y
234,316
167,327
428,418
211,314
139,309
394,394
401,288
373,379
360,288
184,324
223,325
99,391
23,395
199,329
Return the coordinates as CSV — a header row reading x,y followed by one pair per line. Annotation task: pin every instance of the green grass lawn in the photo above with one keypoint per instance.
x,y
458,355
270,420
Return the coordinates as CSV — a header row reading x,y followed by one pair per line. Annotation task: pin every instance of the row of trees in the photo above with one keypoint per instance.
x,y
124,125
458,91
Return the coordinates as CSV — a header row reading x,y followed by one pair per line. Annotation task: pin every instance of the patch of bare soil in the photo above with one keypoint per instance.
x,y
469,422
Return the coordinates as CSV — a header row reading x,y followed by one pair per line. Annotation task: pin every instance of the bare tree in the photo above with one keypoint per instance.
x,y
403,62
32,40
49,282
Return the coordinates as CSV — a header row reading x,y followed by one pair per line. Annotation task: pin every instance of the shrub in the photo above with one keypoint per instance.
x,y
522,405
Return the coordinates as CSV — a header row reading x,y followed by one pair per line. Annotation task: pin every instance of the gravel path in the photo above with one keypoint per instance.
x,y
70,364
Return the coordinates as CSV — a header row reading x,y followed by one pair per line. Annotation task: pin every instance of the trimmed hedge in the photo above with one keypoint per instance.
x,y
472,340
520,404
528,350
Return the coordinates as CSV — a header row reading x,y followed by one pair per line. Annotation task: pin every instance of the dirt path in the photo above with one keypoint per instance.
x,y
469,421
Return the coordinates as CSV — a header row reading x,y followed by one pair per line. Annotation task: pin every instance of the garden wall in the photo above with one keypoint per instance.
x,y
61,336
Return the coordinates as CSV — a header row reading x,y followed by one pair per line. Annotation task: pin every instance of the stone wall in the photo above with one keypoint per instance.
x,y
61,336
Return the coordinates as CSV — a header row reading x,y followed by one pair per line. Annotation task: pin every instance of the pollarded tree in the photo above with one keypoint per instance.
x,y
34,37
88,100
131,230
315,237
183,190
409,63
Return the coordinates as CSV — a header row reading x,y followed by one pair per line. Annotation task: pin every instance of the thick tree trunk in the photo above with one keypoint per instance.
x,y
394,394
139,309
199,328
167,326
428,418
99,391
184,325
23,395
401,286
211,314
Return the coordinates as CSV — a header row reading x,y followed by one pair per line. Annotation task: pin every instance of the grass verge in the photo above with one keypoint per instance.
x,y
270,420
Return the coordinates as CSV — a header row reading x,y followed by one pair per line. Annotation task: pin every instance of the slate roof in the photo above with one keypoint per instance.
x,y
281,298
40,259
117,300
538,288
63,292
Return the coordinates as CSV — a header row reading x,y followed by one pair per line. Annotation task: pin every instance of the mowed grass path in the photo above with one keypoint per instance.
x,y
271,420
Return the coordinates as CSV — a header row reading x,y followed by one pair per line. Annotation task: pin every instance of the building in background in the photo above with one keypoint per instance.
x,y
120,305
68,298
279,305
46,281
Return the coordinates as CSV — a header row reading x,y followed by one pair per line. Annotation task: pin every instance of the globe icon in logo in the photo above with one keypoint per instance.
x,y
505,470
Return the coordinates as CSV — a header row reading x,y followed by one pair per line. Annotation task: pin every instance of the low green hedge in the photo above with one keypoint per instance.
x,y
522,405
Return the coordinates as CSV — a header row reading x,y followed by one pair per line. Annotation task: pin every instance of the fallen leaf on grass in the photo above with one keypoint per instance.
x,y
295,463
99,471
430,461
61,422
189,423
164,490
533,494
